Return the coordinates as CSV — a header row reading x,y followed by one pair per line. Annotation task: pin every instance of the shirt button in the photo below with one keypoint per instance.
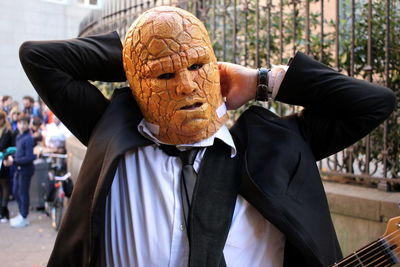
x,y
181,227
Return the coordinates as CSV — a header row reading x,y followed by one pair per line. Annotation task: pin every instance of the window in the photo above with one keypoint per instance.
x,y
57,1
89,2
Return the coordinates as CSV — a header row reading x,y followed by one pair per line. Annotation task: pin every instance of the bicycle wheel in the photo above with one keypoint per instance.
x,y
57,213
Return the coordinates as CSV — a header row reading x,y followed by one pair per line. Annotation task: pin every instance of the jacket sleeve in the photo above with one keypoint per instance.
x,y
60,70
338,110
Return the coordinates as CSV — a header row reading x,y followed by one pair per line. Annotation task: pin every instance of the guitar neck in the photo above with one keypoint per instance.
x,y
382,252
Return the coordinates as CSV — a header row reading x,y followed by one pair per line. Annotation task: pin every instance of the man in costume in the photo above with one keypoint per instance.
x,y
257,200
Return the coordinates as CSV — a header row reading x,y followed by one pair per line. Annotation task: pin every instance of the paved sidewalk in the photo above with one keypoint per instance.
x,y
26,247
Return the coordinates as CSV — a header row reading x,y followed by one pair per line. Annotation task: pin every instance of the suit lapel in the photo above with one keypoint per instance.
x,y
115,134
213,205
118,133
271,164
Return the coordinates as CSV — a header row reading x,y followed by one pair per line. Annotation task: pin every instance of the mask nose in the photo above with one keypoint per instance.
x,y
186,85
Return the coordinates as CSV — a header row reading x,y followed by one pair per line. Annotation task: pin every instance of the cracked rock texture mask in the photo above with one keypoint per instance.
x,y
173,73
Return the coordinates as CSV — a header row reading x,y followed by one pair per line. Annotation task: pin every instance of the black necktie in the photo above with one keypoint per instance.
x,y
188,179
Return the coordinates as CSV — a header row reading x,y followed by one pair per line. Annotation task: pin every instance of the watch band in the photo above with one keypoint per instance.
x,y
263,92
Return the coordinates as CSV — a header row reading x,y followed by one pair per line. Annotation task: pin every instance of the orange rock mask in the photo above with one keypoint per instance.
x,y
173,73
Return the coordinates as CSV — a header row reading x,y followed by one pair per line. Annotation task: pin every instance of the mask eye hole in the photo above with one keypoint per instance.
x,y
195,67
166,76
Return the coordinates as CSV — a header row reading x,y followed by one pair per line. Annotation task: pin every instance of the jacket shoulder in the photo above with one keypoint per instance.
x,y
119,91
257,121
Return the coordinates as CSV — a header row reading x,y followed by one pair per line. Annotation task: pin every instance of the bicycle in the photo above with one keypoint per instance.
x,y
56,207
59,186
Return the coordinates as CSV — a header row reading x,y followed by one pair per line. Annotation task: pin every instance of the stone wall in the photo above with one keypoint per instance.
x,y
360,214
76,153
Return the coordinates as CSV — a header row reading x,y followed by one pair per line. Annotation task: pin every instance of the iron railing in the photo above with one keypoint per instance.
x,y
359,38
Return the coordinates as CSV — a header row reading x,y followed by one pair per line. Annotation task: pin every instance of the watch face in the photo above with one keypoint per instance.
x,y
263,76
173,73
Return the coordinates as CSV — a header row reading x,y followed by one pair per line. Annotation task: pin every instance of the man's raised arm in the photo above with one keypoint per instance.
x,y
338,110
60,70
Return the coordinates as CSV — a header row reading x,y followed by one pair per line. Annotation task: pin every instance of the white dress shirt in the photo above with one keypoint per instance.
x,y
144,219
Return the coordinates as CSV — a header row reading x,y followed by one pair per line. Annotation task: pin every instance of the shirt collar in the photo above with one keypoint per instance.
x,y
223,134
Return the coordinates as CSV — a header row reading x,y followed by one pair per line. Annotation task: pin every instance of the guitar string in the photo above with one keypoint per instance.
x,y
387,264
378,247
351,257
385,261
359,261
387,241
387,238
380,264
392,237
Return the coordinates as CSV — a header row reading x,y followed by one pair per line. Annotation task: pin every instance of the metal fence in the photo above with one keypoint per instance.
x,y
359,38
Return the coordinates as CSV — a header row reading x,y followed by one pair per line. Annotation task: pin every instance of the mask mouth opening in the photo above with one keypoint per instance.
x,y
193,106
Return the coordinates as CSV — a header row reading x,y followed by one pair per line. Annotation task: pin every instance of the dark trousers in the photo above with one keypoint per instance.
x,y
4,192
4,195
11,179
22,181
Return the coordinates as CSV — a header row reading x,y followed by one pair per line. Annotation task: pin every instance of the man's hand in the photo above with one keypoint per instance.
x,y
8,161
238,84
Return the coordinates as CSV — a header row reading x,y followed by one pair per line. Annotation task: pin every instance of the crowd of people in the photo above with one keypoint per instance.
x,y
25,132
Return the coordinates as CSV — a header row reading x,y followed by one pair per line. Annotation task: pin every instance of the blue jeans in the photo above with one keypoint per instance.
x,y
22,181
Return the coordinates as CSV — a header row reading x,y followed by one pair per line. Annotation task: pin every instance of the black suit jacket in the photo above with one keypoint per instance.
x,y
274,170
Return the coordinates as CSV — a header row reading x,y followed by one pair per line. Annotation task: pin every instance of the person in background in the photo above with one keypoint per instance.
x,y
27,102
13,118
47,114
37,107
55,135
14,104
5,142
7,103
36,130
30,108
23,161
